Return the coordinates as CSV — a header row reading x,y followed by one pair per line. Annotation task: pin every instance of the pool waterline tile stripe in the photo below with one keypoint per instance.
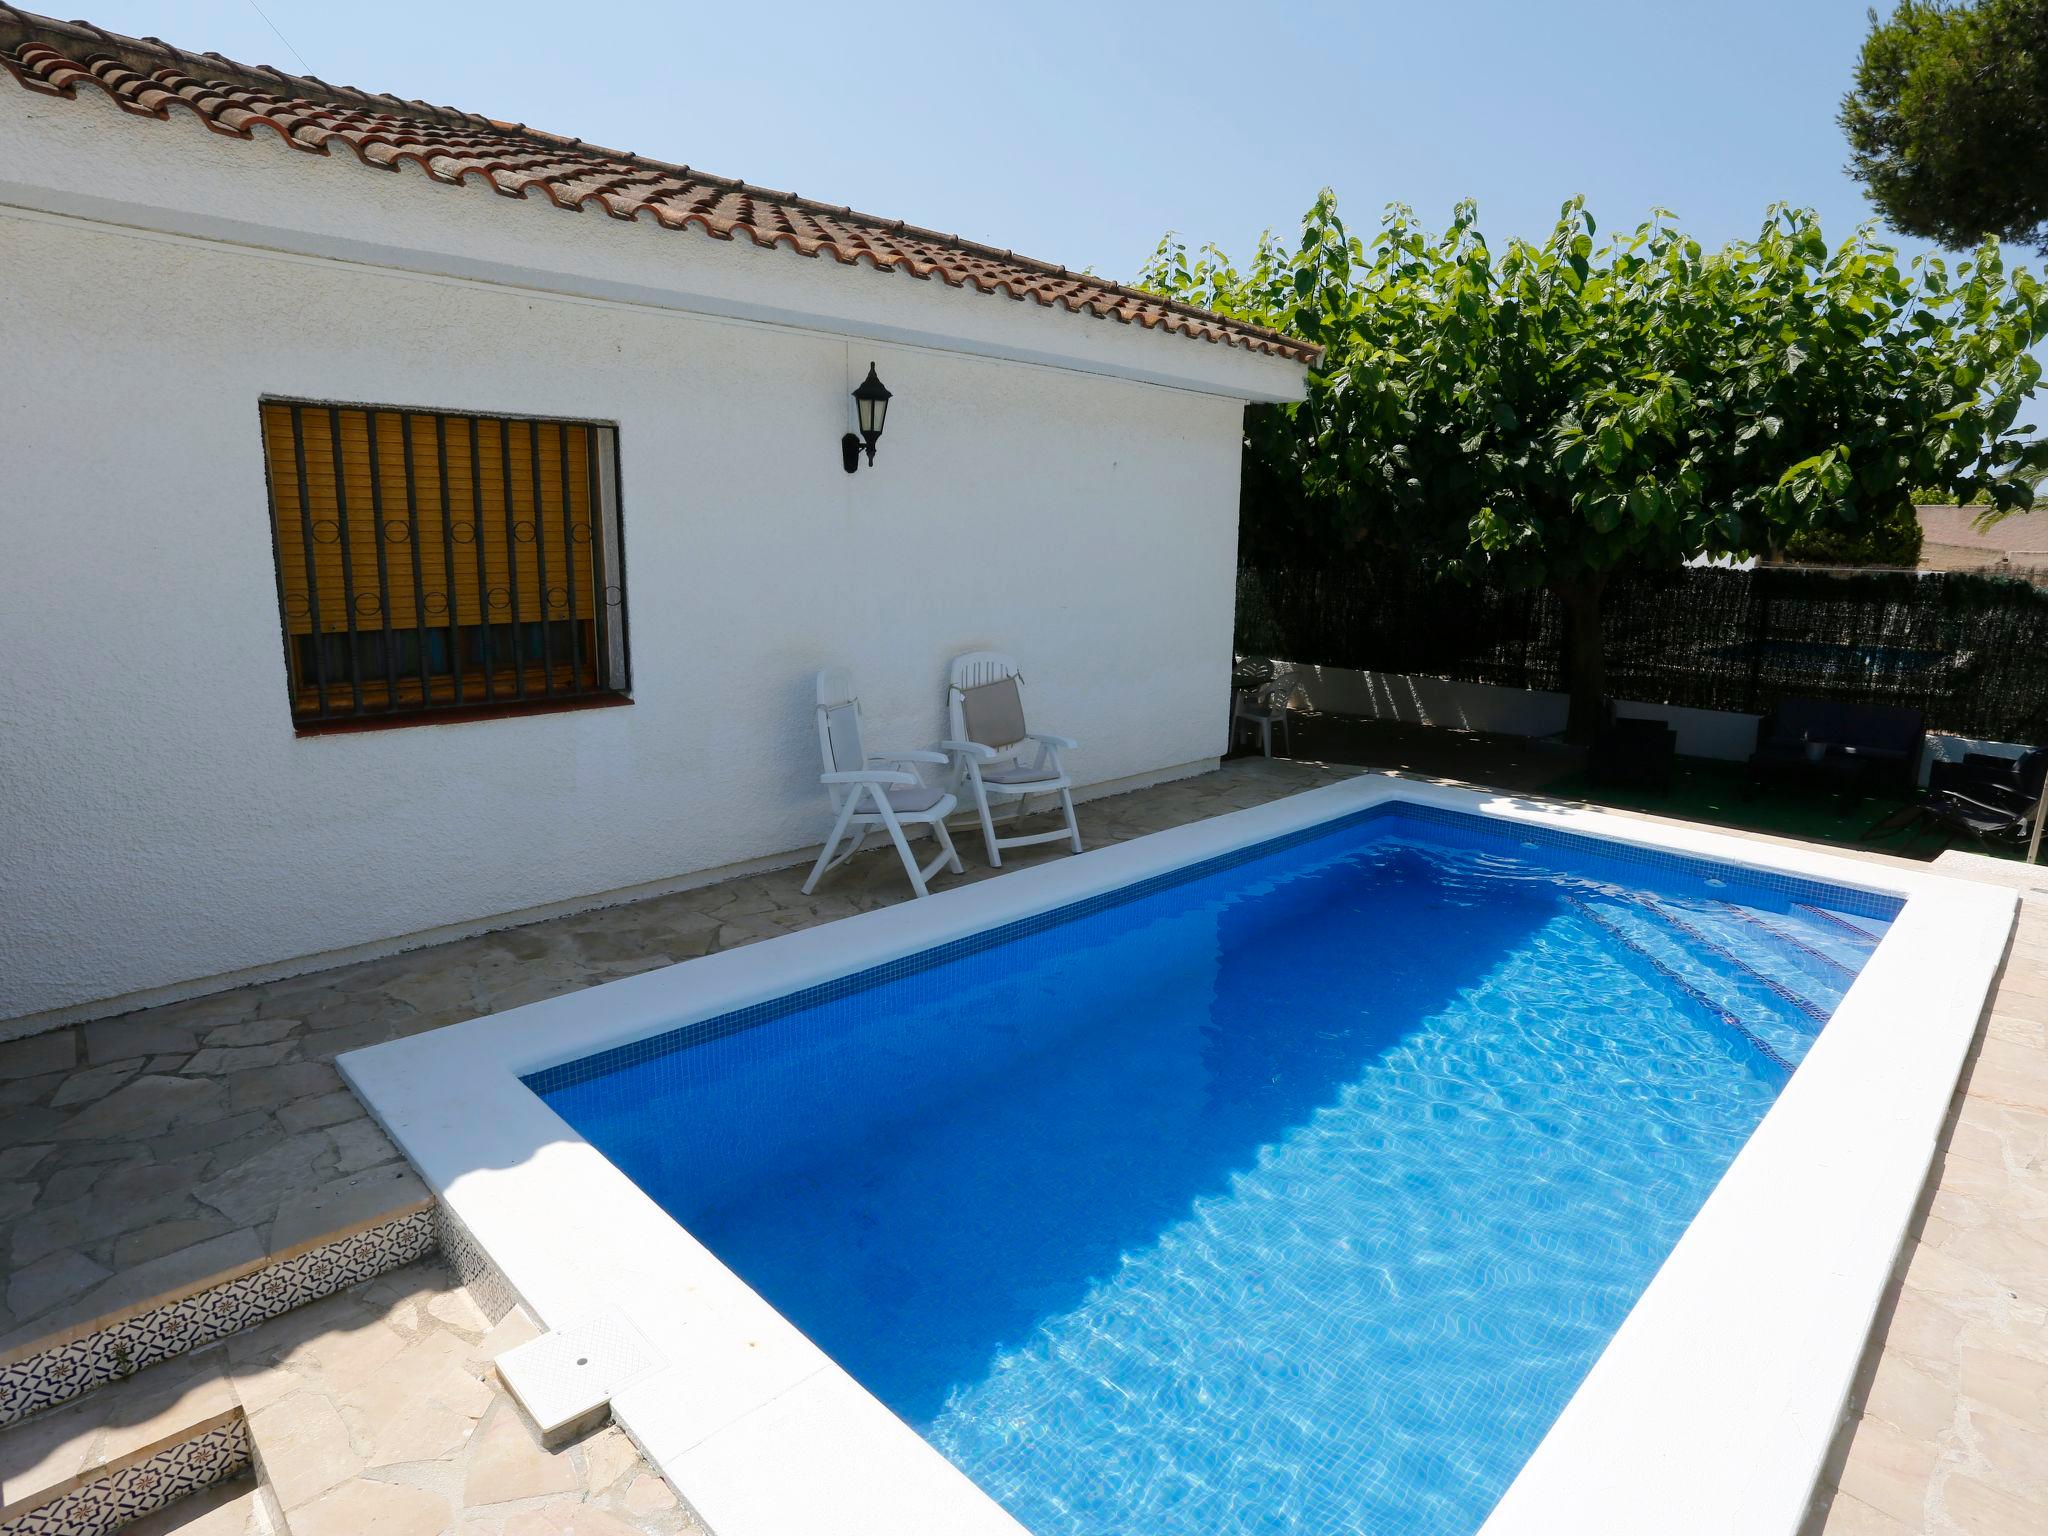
x,y
1793,939
1796,889
1727,956
1693,994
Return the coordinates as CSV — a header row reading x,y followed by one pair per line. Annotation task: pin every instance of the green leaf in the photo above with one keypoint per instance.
x,y
1545,408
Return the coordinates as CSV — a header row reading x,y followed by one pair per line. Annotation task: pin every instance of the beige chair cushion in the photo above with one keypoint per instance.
x,y
993,714
1015,774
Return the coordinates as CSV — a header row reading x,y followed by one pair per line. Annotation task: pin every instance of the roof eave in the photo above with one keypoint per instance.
x,y
1089,295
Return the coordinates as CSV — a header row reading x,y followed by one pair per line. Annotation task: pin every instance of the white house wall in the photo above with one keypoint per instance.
x,y
162,823
88,158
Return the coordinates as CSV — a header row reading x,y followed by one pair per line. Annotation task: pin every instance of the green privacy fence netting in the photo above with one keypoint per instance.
x,y
1969,651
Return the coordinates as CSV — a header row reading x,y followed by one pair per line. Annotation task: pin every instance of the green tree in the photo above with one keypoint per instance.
x,y
1550,413
1948,121
1893,540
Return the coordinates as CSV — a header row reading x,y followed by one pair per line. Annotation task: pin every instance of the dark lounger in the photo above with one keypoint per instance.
x,y
1851,747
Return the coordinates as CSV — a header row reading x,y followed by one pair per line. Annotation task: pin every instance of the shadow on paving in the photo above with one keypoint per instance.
x,y
145,1156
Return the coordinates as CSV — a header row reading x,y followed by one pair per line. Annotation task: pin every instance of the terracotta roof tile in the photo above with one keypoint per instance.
x,y
151,78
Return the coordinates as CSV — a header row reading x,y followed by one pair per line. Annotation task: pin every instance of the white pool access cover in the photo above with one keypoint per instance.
x,y
564,1375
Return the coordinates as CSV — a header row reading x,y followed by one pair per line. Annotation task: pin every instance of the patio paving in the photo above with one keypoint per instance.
x,y
143,1155
137,1152
372,1410
1948,1427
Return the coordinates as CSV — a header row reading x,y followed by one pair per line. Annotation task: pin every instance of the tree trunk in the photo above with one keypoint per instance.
x,y
1584,656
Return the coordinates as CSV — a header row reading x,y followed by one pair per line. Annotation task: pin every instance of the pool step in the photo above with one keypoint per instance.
x,y
1639,941
39,1374
123,1451
1736,962
1829,952
1854,930
1757,972
310,1408
1821,961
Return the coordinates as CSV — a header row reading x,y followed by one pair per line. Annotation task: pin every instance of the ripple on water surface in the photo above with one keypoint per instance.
x,y
1298,1197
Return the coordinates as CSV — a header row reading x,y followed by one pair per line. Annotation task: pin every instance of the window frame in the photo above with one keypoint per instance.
x,y
612,663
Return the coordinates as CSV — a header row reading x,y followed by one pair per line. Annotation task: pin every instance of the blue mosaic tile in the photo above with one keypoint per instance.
x,y
1309,1187
1676,874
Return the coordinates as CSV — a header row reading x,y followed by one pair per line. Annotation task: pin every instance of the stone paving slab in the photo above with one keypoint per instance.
x,y
227,1509
144,1156
144,1139
1947,1431
118,1426
374,1410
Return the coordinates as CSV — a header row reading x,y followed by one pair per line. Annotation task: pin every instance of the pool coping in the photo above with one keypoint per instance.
x,y
1712,1408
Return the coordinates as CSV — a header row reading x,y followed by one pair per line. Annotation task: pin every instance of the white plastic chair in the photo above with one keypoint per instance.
x,y
1260,709
882,790
990,768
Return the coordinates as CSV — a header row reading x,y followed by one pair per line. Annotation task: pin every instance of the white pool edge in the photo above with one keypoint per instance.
x,y
1712,1409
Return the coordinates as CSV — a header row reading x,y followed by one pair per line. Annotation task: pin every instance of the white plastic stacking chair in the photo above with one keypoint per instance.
x,y
880,790
1260,709
996,757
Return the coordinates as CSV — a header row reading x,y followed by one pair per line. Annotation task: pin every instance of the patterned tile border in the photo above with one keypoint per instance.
x,y
485,1282
65,1371
120,1495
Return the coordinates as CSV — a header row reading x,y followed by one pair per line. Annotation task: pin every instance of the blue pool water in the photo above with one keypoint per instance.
x,y
1296,1193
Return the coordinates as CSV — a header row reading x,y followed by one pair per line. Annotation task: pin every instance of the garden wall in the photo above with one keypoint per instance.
x,y
1406,698
1970,652
1415,700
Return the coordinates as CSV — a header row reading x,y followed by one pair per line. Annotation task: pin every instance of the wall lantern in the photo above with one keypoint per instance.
x,y
871,409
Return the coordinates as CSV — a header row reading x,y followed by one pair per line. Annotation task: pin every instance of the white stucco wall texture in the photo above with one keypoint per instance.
x,y
162,823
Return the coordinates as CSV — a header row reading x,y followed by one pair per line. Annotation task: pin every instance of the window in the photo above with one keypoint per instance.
x,y
429,563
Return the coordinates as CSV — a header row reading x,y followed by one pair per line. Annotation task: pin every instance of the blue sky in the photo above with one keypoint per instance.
x,y
1079,137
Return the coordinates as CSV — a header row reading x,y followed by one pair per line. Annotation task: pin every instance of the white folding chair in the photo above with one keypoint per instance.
x,y
882,790
991,743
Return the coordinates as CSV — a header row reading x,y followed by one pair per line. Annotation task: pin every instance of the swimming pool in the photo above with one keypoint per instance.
x,y
1294,1193
1308,1168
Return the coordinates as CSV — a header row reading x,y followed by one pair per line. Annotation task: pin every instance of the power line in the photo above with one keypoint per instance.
x,y
280,36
